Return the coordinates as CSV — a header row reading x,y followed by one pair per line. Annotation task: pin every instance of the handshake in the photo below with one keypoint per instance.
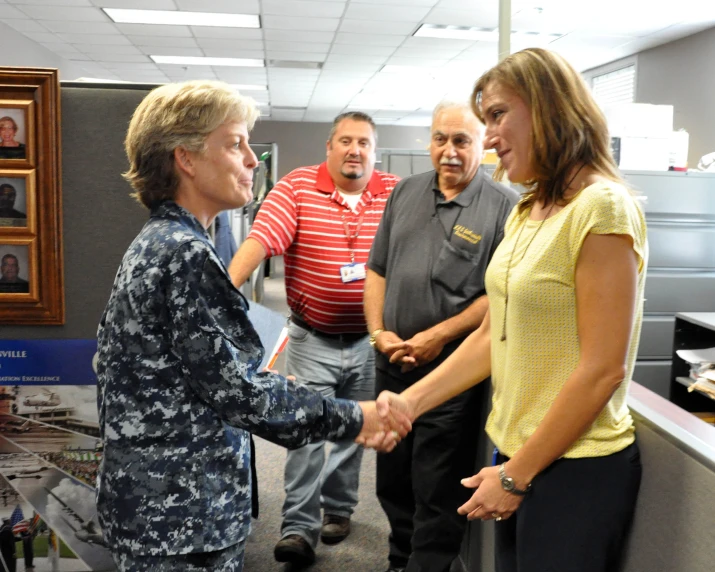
x,y
386,421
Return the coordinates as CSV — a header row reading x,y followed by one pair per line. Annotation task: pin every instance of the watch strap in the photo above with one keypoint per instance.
x,y
508,485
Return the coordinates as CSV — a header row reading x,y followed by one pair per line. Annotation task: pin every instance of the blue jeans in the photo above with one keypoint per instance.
x,y
335,369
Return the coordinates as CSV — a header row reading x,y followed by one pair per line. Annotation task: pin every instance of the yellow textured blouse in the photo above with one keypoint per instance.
x,y
541,351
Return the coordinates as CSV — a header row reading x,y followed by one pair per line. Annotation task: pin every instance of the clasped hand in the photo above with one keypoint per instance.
x,y
420,349
490,500
386,422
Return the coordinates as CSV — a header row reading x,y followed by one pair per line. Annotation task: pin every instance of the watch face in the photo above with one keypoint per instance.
x,y
508,483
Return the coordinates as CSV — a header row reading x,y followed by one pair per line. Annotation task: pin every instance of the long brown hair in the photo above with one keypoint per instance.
x,y
568,128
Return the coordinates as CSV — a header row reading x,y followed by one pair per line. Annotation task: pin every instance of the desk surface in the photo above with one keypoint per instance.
x,y
704,319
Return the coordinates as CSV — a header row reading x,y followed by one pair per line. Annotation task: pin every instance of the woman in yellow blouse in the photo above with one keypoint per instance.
x,y
565,294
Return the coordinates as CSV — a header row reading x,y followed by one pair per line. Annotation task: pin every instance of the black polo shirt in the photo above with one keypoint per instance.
x,y
433,253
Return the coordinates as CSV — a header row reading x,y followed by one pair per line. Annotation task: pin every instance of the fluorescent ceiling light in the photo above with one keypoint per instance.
x,y
176,18
204,61
457,33
249,87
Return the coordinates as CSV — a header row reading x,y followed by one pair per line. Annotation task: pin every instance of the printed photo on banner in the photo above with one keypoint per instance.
x,y
14,268
13,132
13,201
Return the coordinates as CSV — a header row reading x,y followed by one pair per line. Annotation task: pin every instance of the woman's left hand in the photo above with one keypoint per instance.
x,y
490,501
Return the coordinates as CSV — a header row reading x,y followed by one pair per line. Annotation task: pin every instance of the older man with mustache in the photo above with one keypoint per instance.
x,y
424,293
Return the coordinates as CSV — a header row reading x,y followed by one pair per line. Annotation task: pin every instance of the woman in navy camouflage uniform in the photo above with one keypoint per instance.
x,y
179,390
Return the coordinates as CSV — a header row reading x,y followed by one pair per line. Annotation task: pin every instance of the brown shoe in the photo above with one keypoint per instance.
x,y
294,549
335,528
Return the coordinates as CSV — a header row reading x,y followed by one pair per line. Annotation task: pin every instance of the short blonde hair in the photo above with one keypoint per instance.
x,y
177,115
568,127
8,119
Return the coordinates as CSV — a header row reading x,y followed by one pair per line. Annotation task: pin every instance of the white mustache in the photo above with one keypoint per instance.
x,y
455,162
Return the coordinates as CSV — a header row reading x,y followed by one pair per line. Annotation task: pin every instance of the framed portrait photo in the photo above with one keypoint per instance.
x,y
17,271
31,271
17,132
17,201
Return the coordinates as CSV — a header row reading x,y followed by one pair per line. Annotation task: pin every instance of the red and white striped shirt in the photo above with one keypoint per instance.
x,y
302,218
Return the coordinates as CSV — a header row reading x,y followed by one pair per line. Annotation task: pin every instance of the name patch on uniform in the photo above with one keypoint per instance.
x,y
461,231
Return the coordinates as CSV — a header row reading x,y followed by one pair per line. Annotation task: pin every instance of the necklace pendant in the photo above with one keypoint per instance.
x,y
503,337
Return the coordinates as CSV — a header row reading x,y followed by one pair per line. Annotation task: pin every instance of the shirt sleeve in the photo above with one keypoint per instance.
x,y
277,219
377,261
611,209
220,353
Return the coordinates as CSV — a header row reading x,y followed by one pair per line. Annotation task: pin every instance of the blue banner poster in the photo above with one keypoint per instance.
x,y
49,455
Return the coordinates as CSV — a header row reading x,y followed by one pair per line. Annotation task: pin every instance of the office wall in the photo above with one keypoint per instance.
x,y
302,144
19,50
681,74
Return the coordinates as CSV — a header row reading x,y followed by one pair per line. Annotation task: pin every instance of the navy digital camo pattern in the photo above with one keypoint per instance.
x,y
176,373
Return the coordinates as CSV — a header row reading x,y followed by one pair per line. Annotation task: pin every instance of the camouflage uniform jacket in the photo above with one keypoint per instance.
x,y
178,393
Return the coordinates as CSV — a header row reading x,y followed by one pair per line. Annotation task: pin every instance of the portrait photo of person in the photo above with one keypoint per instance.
x,y
14,269
12,133
13,202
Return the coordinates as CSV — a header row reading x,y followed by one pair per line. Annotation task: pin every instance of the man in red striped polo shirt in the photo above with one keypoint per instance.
x,y
323,220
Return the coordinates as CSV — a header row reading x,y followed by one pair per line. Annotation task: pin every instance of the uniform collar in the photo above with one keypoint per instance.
x,y
325,183
465,198
172,211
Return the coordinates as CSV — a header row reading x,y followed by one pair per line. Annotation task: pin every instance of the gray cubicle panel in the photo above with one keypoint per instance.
x,y
680,212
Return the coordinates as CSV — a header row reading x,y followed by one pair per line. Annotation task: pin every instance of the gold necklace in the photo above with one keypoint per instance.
x,y
513,250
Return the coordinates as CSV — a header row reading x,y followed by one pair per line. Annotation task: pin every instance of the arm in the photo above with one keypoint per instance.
x,y
245,261
374,302
606,278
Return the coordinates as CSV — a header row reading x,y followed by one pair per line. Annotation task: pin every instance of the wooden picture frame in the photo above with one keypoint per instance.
x,y
31,261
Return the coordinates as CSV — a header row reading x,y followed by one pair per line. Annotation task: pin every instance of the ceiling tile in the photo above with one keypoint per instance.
x,y
230,33
172,51
8,12
311,47
427,3
417,62
357,58
43,37
357,68
413,52
293,74
95,49
305,9
368,39
303,24
119,66
154,30
72,56
362,50
236,75
226,44
439,43
120,58
80,39
234,53
226,6
386,13
64,13
80,27
462,18
298,36
369,27
132,4
162,42
295,56
53,2
25,26
61,47
286,115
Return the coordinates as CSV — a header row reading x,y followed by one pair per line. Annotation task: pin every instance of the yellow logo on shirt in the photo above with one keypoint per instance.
x,y
463,232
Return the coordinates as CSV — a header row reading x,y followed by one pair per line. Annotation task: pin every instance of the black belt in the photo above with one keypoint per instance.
x,y
347,338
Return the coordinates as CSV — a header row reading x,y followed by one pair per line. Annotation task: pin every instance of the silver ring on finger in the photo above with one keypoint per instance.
x,y
496,516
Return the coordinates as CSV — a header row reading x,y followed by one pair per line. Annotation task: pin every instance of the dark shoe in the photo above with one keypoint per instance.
x,y
394,569
294,549
335,528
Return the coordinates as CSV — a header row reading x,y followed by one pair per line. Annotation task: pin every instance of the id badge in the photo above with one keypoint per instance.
x,y
352,272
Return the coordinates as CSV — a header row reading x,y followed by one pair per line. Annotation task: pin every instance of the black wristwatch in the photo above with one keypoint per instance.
x,y
508,485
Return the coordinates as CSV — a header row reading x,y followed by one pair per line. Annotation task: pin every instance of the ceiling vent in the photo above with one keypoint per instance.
x,y
295,64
